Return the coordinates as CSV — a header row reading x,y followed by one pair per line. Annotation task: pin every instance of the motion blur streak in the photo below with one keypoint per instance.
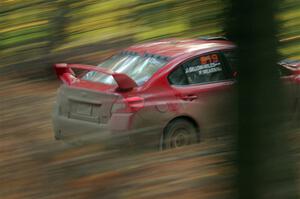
x,y
37,33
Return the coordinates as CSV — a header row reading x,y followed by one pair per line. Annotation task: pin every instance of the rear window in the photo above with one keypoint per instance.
x,y
139,67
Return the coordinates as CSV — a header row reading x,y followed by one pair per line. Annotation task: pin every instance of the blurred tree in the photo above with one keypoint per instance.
x,y
205,17
31,30
59,22
264,164
24,30
1,26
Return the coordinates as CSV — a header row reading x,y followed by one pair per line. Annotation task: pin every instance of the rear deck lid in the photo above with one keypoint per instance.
x,y
86,104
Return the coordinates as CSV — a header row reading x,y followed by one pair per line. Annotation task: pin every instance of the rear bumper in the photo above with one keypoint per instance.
x,y
118,131
72,130
67,128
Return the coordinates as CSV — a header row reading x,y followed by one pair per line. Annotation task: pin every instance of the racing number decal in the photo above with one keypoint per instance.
x,y
207,59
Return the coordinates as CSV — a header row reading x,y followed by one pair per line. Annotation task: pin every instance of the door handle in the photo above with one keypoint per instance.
x,y
189,97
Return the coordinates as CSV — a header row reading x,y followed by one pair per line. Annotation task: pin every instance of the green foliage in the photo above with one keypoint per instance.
x,y
31,29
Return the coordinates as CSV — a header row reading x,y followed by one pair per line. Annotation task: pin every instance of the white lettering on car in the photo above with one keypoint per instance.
x,y
214,67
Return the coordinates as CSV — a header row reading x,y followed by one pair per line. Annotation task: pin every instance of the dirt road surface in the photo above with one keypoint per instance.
x,y
34,165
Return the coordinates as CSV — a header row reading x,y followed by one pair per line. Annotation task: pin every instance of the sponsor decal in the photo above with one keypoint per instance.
x,y
208,64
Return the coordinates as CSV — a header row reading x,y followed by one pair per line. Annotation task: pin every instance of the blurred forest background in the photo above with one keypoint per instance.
x,y
34,34
37,33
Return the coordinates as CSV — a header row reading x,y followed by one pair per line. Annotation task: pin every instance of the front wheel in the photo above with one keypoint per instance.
x,y
179,133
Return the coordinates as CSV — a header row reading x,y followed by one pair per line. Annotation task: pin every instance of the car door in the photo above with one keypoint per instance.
x,y
204,88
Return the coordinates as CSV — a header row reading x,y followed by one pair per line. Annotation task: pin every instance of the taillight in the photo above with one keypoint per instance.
x,y
128,105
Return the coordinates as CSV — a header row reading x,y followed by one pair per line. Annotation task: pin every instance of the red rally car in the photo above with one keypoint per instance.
x,y
171,93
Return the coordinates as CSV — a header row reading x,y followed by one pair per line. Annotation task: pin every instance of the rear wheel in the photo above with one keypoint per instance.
x,y
179,133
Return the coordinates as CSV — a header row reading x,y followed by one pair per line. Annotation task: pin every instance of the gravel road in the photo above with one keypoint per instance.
x,y
34,165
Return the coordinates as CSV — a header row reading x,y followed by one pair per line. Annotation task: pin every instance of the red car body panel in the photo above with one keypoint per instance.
x,y
142,112
176,47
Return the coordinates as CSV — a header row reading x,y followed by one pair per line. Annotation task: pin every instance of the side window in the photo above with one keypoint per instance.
x,y
204,69
177,77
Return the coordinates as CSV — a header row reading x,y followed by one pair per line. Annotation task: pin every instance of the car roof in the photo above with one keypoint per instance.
x,y
175,47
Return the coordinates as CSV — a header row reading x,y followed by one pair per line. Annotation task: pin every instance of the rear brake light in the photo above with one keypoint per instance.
x,y
128,105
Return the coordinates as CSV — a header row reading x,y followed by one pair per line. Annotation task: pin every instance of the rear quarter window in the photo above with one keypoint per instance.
x,y
204,69
201,69
178,77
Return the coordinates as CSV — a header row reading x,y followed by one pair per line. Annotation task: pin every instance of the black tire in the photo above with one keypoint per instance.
x,y
179,133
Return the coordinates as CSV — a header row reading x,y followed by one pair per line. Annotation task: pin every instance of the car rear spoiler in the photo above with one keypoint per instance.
x,y
65,73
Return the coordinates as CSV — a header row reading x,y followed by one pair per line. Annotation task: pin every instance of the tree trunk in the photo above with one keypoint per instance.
x,y
265,167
